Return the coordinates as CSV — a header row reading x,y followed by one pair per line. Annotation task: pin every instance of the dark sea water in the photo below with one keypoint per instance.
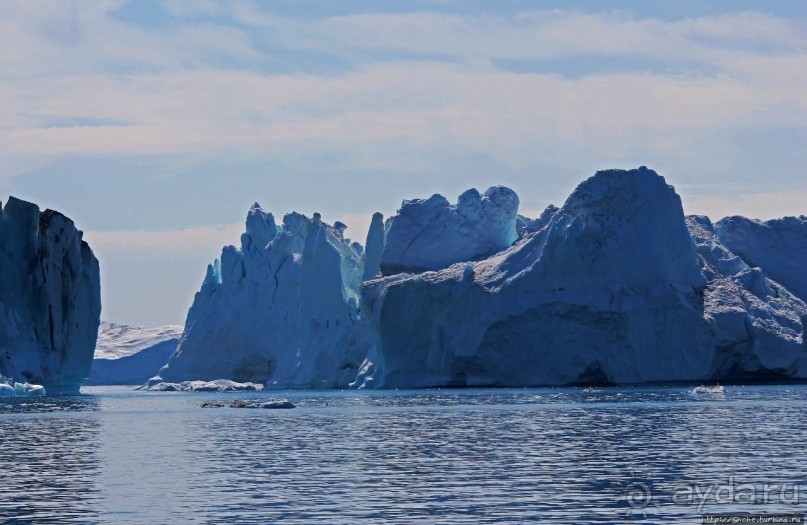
x,y
563,455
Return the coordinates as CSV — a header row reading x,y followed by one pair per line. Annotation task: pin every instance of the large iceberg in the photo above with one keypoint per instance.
x,y
612,289
431,234
778,247
282,310
616,286
50,298
130,355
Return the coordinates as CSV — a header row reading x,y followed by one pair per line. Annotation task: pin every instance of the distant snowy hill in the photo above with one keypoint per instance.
x,y
129,355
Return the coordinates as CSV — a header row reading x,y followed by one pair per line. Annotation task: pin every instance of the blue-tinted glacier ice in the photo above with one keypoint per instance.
x,y
616,287
526,225
130,355
283,309
50,298
431,234
376,240
778,247
10,388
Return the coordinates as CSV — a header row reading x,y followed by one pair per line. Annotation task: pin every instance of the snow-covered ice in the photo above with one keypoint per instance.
x,y
218,385
616,286
431,234
50,298
283,309
611,289
10,388
778,247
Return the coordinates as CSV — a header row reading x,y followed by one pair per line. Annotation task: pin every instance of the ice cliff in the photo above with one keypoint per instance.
x,y
612,288
778,247
616,286
431,234
50,298
283,309
130,355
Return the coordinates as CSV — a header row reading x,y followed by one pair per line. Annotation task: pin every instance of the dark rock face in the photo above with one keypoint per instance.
x,y
50,298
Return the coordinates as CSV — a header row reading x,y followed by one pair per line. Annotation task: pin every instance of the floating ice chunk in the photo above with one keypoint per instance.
x,y
277,404
714,390
242,403
219,385
27,389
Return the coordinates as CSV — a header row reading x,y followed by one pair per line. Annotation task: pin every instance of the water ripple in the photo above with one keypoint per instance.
x,y
453,456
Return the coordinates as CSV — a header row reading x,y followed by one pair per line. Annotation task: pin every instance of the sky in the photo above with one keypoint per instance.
x,y
155,125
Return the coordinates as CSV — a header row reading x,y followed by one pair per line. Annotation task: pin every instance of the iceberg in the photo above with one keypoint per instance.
x,y
130,355
612,289
28,390
10,388
615,286
281,310
778,247
431,234
759,324
50,299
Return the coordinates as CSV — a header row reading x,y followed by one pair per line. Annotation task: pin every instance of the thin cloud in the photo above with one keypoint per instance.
x,y
190,240
764,206
199,110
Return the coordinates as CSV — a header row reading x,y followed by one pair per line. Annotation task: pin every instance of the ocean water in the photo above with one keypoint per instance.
x,y
560,455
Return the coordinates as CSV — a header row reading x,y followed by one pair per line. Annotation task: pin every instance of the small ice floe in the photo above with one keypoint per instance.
x,y
716,389
590,390
280,404
11,389
219,385
272,404
27,389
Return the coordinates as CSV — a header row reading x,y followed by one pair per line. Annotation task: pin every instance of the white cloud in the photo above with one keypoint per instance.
x,y
209,238
81,82
495,112
199,239
74,62
557,33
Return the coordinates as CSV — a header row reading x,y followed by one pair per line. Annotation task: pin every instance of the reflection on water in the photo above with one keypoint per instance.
x,y
496,456
49,460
